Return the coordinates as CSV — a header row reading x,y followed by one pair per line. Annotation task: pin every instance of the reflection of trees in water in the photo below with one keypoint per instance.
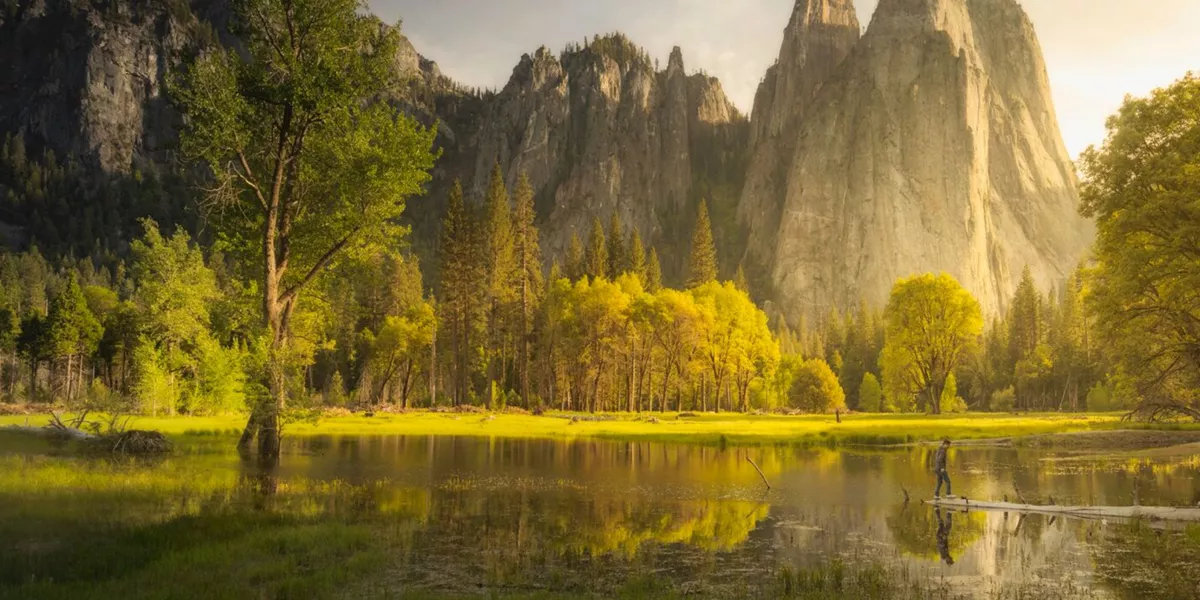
x,y
1140,562
571,523
916,530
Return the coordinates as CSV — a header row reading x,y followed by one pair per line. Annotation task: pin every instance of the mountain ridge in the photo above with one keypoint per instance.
x,y
794,188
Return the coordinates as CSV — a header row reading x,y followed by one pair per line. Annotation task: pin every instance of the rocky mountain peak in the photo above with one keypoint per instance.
x,y
819,36
675,62
932,148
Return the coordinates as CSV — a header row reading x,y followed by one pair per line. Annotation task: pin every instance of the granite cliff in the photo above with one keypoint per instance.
x,y
928,143
933,146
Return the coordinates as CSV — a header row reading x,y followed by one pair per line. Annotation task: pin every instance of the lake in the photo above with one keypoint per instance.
x,y
368,517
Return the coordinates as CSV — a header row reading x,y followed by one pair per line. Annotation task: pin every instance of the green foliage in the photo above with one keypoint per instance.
x,y
463,289
1100,399
702,261
816,388
575,258
335,392
1142,189
1003,400
596,259
397,353
155,389
71,327
618,252
653,272
173,287
870,394
309,166
932,324
951,402
637,259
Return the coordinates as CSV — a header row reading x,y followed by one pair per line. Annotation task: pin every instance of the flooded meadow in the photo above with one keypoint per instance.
x,y
429,517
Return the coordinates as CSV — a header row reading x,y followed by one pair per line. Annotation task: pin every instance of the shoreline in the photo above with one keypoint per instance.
x,y
1066,432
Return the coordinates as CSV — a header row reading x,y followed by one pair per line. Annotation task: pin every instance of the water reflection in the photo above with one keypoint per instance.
x,y
460,514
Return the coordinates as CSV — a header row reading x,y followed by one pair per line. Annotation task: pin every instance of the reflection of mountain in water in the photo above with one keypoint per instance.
x,y
457,514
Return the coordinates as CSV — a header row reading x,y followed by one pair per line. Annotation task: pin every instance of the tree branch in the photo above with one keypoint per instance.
x,y
320,265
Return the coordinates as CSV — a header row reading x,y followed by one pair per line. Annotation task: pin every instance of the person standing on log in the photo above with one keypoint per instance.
x,y
939,469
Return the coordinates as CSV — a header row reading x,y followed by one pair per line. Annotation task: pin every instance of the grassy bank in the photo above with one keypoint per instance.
x,y
708,429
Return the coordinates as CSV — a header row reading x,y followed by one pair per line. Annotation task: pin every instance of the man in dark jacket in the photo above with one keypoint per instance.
x,y
939,469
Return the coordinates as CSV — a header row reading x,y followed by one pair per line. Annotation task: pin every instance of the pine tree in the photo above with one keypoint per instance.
x,y
618,259
501,264
596,260
461,287
653,273
637,257
739,280
73,331
575,258
529,276
1024,319
702,262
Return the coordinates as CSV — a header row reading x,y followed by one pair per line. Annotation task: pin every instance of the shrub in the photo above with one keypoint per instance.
x,y
1004,400
870,394
816,388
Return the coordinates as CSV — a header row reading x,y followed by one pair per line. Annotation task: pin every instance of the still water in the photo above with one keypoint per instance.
x,y
497,516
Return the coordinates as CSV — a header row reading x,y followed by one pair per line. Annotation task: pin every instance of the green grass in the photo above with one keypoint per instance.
x,y
708,429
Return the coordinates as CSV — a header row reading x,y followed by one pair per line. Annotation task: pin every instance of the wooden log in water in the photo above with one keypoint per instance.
x,y
69,432
1163,513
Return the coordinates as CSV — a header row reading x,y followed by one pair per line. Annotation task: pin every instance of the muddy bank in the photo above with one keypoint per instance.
x,y
1108,441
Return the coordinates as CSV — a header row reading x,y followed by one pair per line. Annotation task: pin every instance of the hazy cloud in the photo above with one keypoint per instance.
x,y
1097,51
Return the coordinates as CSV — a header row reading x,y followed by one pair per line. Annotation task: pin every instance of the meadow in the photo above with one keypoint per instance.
x,y
703,428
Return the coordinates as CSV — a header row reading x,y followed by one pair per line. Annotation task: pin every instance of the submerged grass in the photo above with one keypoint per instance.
x,y
707,429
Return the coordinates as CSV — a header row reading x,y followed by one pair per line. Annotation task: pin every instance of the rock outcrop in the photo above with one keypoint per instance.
x,y
599,130
820,34
87,79
934,147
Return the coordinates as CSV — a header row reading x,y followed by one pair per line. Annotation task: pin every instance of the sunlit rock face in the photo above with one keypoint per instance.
x,y
934,146
819,36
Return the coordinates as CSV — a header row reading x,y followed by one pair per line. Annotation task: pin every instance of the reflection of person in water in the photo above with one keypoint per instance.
x,y
943,535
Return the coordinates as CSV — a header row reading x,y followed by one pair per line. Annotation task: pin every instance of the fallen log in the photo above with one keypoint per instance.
x,y
1156,513
57,432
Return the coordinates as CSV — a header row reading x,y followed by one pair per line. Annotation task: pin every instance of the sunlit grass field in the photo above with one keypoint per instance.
x,y
708,429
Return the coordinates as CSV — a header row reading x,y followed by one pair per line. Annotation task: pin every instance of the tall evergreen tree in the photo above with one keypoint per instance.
x,y
575,259
73,331
637,257
702,262
528,275
1024,319
501,265
596,259
461,288
618,254
740,281
653,272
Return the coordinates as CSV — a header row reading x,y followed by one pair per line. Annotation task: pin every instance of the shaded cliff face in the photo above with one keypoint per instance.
x,y
819,36
87,78
934,147
598,130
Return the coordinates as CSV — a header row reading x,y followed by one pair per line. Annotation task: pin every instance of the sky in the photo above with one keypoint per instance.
x,y
1097,51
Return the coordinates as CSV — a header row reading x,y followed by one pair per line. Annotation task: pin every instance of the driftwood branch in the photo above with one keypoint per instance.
x,y
1163,513
760,473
